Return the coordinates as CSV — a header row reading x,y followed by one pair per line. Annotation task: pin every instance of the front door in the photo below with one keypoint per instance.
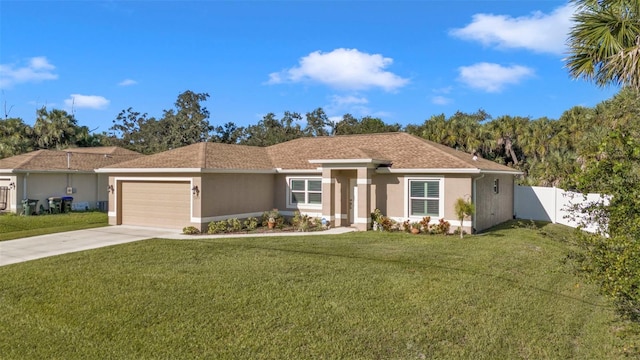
x,y
353,201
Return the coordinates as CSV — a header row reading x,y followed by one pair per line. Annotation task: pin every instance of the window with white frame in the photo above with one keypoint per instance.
x,y
424,197
305,191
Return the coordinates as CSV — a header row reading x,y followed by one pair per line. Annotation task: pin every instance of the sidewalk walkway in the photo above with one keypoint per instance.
x,y
36,247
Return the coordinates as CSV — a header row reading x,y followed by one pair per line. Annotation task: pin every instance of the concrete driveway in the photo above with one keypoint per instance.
x,y
36,247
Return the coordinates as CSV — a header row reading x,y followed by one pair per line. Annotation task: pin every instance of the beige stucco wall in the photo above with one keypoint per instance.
x,y
456,186
389,194
493,209
87,188
236,194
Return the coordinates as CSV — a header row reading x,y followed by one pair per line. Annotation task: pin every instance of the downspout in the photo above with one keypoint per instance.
x,y
24,186
474,195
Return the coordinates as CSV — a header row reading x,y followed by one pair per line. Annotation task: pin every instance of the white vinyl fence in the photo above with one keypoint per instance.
x,y
551,204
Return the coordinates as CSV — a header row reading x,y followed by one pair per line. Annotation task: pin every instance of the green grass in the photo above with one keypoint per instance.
x,y
16,226
507,294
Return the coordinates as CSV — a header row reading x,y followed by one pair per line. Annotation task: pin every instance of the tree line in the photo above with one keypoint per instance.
x,y
547,151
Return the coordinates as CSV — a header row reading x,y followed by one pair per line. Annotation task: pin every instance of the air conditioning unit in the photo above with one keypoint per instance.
x,y
69,190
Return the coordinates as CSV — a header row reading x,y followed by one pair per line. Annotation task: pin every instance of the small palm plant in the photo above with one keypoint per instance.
x,y
463,209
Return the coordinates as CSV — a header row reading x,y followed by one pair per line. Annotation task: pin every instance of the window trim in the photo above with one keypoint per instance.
x,y
407,196
291,204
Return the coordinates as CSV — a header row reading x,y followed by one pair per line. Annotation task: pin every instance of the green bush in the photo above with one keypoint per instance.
x,y
217,227
190,230
234,225
442,227
251,223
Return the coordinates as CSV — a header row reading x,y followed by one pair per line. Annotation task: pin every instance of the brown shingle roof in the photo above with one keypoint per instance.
x,y
403,150
204,155
74,159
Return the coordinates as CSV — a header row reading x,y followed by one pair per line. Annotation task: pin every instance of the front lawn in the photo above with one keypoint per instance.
x,y
14,226
504,295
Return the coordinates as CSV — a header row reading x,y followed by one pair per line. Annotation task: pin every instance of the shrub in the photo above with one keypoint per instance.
x,y
234,225
217,227
387,223
425,224
442,227
251,223
406,226
190,230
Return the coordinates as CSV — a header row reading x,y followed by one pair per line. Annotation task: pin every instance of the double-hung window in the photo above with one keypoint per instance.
x,y
305,192
424,197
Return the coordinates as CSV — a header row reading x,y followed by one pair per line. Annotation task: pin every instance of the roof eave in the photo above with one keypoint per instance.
x,y
350,161
148,170
384,170
184,170
502,172
448,171
40,171
298,171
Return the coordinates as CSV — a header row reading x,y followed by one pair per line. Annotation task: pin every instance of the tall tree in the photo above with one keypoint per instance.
x,y
317,123
367,125
604,43
135,131
346,126
16,137
189,122
229,133
270,130
605,47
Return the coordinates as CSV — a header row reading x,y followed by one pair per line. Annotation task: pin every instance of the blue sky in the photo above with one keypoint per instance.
x,y
402,61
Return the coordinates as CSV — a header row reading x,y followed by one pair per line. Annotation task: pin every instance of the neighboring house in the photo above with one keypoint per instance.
x,y
340,178
41,174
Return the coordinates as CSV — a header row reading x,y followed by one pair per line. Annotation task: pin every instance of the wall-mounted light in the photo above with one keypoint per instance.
x,y
195,190
110,189
12,185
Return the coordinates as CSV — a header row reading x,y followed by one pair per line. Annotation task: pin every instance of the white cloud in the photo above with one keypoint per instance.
x,y
87,101
37,69
441,100
343,69
492,77
127,82
348,100
539,32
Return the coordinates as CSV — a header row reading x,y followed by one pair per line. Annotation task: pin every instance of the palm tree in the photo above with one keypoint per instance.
x,y
604,43
463,209
55,129
505,131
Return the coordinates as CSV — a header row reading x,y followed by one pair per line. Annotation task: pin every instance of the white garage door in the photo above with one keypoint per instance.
x,y
158,204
